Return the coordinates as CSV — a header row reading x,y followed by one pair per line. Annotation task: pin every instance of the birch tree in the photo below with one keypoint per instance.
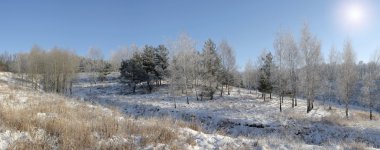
x,y
370,87
228,62
332,74
249,75
310,48
184,63
348,74
95,56
287,60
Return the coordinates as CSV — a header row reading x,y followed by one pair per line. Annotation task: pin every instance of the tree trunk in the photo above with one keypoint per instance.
x,y
282,99
134,89
228,89
308,106
175,104
293,101
281,103
221,91
347,108
71,87
270,95
264,97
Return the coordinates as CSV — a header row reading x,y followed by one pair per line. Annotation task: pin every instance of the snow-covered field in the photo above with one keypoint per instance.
x,y
244,115
238,121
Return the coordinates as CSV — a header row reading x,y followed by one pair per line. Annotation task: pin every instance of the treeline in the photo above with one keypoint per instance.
x,y
52,70
187,70
298,69
149,65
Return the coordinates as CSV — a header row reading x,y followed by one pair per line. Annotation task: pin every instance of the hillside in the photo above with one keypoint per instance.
x,y
37,120
106,119
244,114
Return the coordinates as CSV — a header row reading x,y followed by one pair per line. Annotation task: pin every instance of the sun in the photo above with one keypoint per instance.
x,y
355,14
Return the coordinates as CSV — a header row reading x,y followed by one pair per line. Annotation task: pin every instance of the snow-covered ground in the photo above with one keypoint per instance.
x,y
238,121
14,97
242,114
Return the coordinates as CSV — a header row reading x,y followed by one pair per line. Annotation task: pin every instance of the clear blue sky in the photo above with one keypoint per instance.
x,y
248,25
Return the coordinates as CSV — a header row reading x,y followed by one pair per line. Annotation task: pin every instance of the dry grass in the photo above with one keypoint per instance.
x,y
72,125
338,118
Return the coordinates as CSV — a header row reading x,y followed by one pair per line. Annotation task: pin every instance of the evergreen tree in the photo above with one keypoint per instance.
x,y
161,62
211,67
132,71
148,65
265,85
106,70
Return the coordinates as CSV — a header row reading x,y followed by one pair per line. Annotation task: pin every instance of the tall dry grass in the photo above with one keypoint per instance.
x,y
54,122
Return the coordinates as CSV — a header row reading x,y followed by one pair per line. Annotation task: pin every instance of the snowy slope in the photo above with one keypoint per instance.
x,y
242,114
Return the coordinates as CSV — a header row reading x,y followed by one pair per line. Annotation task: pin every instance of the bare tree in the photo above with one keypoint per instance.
x,y
228,63
249,76
369,89
348,74
310,48
287,63
36,65
96,56
183,70
118,56
20,65
332,74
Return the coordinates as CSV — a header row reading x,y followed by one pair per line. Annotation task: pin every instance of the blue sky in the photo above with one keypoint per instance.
x,y
249,26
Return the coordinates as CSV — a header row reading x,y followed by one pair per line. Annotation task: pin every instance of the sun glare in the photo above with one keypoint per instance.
x,y
355,14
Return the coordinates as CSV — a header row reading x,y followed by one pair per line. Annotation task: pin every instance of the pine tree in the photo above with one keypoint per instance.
x,y
265,85
161,62
211,66
106,70
132,71
149,65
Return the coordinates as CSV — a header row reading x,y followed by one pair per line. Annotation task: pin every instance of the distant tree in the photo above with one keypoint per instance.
x,y
332,74
36,65
51,71
249,76
184,62
310,48
348,74
132,71
95,64
161,61
20,65
148,65
286,55
228,65
265,81
371,76
118,56
291,59
211,66
103,72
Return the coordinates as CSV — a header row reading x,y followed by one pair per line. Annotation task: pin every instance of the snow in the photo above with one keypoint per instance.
x,y
240,114
237,121
8,137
